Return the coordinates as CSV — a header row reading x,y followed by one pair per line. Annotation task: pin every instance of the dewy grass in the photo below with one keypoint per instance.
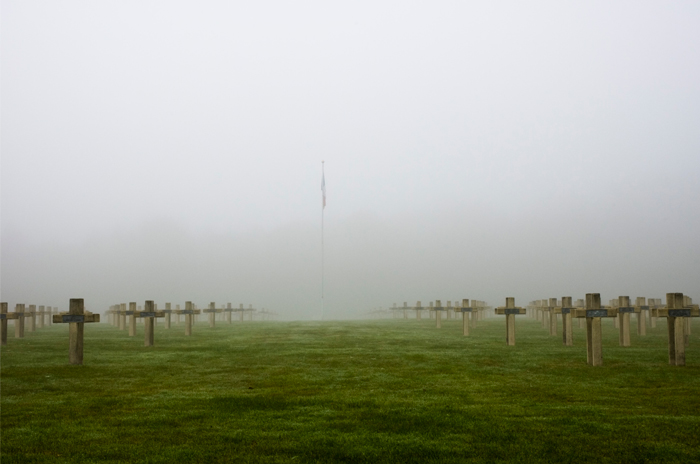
x,y
374,391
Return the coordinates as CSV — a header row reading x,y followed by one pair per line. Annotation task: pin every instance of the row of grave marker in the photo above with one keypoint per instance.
x,y
117,313
30,316
679,310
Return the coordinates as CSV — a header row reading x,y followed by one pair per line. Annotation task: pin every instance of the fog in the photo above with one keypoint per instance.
x,y
172,151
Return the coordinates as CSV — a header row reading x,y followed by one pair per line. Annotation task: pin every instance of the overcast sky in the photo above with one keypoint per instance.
x,y
172,151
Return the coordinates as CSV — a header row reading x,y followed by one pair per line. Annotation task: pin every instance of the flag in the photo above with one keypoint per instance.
x,y
323,188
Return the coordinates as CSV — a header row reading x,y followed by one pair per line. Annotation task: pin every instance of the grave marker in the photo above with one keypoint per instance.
x,y
580,304
676,314
121,308
168,312
3,323
623,316
467,312
510,310
189,313
131,312
19,316
438,309
642,310
653,303
212,314
149,314
566,321
594,333
40,319
419,310
76,317
553,316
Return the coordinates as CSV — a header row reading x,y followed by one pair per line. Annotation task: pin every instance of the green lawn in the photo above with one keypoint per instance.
x,y
369,391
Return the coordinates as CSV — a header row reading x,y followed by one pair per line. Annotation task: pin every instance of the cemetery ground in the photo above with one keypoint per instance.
x,y
388,390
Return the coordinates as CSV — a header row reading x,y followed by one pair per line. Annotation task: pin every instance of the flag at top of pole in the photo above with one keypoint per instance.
x,y
323,183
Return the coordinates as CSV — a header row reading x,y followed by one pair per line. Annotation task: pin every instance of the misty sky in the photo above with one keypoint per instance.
x,y
172,151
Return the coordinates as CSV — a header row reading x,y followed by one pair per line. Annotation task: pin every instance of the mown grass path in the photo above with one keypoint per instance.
x,y
373,391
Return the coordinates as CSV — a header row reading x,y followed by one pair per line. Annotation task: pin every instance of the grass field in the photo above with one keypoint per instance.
x,y
373,391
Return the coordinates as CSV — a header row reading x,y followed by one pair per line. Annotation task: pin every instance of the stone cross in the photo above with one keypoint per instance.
x,y
31,314
566,321
438,309
168,314
642,310
615,303
688,303
250,310
510,310
189,313
110,315
419,310
149,315
553,316
543,304
594,331
623,316
467,312
131,312
76,317
40,320
580,304
122,316
3,323
676,313
228,312
19,317
212,314
653,303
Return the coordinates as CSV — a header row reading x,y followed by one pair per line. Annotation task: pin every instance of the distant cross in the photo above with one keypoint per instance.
x,y
149,315
677,314
623,315
419,310
510,311
566,321
168,314
19,317
212,314
642,310
228,312
653,303
131,312
122,316
31,315
189,313
76,317
467,313
552,316
580,304
594,332
615,303
3,323
40,319
438,309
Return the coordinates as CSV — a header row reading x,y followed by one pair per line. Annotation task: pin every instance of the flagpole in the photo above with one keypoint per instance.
x,y
323,261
